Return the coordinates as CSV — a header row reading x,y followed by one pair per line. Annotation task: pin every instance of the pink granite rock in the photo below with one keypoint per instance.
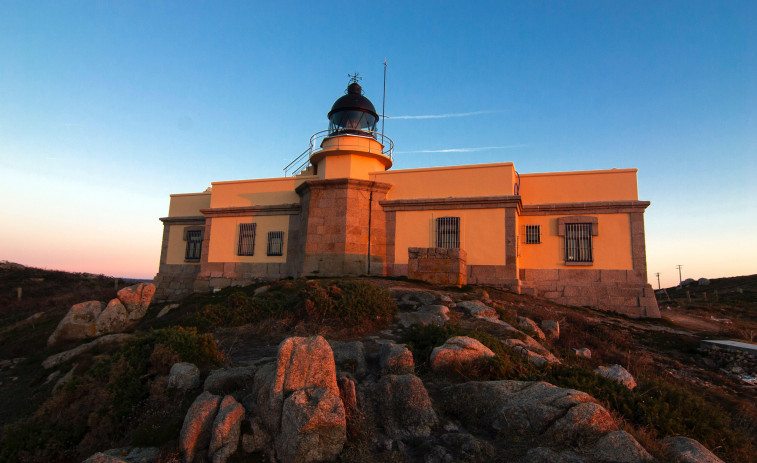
x,y
196,431
313,427
301,363
458,351
79,323
617,373
136,299
114,319
224,438
396,359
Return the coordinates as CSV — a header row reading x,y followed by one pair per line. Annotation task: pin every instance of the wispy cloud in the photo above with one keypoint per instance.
x,y
466,150
443,116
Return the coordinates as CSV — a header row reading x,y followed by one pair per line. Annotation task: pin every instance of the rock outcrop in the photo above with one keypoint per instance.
x,y
617,373
211,430
401,405
297,400
530,348
136,299
424,316
228,380
551,328
534,407
224,438
620,447
62,357
396,359
113,318
313,426
79,323
183,376
92,319
458,351
196,431
350,357
527,323
685,450
478,309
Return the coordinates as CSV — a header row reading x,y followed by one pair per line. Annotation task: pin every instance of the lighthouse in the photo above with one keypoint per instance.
x,y
350,147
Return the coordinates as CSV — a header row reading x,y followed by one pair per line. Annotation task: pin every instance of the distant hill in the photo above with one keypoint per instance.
x,y
722,285
50,288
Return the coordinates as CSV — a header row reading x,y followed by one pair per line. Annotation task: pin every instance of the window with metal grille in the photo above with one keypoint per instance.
x,y
194,245
533,234
246,239
448,232
578,242
276,243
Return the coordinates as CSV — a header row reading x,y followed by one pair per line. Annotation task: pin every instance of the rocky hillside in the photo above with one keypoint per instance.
x,y
369,370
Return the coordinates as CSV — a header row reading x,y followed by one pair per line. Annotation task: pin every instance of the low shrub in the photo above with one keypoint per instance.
x,y
661,407
344,303
664,408
97,408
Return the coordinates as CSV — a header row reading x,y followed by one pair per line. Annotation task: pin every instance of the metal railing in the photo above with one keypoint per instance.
x,y
342,140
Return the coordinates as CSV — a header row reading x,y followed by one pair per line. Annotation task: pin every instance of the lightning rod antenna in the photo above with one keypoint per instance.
x,y
383,104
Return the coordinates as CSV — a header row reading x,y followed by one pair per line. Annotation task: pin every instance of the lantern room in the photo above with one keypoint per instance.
x,y
353,112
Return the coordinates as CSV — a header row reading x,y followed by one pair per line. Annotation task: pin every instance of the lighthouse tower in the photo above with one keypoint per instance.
x,y
344,226
351,147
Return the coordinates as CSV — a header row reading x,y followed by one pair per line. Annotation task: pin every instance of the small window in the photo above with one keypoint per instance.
x,y
578,242
533,234
276,243
246,239
448,232
194,245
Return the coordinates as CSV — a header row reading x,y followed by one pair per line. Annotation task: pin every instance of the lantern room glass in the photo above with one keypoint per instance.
x,y
351,121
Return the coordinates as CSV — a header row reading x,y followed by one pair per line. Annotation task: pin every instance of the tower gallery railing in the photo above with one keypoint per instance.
x,y
342,139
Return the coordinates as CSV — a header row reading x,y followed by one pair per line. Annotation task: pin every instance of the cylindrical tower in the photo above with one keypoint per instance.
x,y
351,148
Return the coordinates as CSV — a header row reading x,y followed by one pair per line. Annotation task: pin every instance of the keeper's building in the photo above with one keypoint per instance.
x,y
572,237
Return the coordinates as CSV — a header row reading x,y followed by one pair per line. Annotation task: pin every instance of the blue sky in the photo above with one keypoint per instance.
x,y
108,107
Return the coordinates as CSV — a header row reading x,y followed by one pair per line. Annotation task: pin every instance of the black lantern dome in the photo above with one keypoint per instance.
x,y
352,113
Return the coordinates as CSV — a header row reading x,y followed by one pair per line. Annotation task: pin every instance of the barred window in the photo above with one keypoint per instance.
x,y
194,245
578,242
246,239
448,232
276,243
533,234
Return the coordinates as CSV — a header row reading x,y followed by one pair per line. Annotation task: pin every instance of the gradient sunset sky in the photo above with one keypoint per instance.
x,y
108,107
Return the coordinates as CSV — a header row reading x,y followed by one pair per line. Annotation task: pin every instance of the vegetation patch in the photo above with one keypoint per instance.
x,y
659,407
336,303
119,392
505,364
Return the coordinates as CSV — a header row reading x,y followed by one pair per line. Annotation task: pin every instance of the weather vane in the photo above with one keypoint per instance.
x,y
354,78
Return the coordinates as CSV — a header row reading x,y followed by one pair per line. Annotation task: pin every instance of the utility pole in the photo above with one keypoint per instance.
x,y
658,280
680,280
